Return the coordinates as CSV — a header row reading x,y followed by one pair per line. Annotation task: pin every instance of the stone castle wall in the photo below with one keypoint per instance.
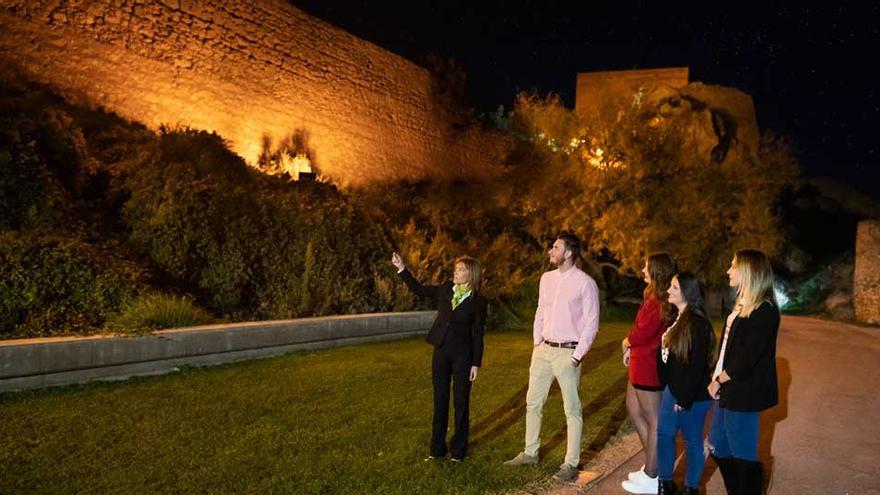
x,y
594,88
244,69
722,121
866,279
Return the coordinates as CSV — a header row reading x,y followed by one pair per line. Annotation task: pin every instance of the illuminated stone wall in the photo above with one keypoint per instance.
x,y
866,286
244,69
722,123
594,88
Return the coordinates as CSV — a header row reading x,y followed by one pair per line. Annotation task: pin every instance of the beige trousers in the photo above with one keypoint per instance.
x,y
549,363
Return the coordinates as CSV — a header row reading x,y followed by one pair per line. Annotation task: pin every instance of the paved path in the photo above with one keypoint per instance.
x,y
824,437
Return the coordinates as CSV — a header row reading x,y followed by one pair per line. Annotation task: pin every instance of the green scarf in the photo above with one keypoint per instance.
x,y
459,293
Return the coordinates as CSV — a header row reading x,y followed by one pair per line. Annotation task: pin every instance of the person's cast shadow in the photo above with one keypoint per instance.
x,y
513,411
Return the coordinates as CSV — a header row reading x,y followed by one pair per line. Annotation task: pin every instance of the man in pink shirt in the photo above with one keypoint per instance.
x,y
566,323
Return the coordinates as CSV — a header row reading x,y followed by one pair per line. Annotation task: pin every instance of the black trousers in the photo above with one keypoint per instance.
x,y
451,362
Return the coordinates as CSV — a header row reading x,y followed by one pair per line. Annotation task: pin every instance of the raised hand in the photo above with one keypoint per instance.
x,y
397,262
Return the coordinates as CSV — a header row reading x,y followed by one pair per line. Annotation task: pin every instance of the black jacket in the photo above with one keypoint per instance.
x,y
464,325
750,361
688,382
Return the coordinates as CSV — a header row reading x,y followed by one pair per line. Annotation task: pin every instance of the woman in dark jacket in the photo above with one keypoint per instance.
x,y
744,381
457,337
686,353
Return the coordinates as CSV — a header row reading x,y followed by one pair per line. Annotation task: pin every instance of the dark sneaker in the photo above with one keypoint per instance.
x,y
566,473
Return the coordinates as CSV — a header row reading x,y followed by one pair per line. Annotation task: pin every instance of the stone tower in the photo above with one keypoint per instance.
x,y
866,279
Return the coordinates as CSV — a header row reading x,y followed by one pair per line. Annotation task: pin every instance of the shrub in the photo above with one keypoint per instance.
x,y
30,193
156,311
430,235
51,285
250,245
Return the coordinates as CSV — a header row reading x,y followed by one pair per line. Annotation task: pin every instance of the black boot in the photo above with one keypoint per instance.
x,y
728,469
751,477
691,491
666,487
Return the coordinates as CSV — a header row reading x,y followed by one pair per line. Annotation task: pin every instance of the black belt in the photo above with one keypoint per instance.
x,y
566,345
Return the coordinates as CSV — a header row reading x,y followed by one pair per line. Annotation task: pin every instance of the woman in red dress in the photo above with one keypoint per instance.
x,y
640,353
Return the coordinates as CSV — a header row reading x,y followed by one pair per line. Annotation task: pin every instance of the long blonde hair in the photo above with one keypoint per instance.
x,y
756,281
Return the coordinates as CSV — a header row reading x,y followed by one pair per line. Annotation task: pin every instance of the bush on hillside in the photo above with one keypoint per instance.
x,y
51,285
157,311
248,245
31,190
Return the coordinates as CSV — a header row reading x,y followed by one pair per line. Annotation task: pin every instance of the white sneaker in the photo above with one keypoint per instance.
x,y
647,485
637,475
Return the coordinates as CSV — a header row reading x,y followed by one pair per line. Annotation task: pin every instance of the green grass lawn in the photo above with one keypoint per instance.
x,y
345,420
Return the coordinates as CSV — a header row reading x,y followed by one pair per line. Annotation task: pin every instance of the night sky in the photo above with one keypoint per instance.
x,y
811,71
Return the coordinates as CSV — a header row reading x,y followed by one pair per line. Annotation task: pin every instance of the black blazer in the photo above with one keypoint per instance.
x,y
688,382
750,361
464,325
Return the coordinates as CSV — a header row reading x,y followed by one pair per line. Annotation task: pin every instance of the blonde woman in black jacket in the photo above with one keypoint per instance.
x,y
744,381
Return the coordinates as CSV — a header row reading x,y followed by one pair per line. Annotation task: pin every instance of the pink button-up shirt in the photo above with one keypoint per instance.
x,y
568,309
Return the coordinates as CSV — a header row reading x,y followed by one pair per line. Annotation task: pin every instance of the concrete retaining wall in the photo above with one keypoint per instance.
x,y
38,363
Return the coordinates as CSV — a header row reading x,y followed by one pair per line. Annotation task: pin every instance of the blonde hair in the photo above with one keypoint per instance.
x,y
756,281
474,271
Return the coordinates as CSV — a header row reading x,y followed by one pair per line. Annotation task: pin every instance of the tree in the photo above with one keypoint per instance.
x,y
639,181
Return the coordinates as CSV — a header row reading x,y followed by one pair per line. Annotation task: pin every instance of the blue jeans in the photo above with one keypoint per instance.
x,y
691,425
733,433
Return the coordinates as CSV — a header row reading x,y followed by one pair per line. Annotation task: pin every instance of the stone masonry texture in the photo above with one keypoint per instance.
x,y
593,87
866,279
721,118
244,69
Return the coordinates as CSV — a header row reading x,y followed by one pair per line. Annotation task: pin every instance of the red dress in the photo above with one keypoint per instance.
x,y
644,340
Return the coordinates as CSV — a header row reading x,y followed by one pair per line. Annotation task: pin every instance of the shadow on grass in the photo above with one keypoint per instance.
x,y
608,430
614,392
512,411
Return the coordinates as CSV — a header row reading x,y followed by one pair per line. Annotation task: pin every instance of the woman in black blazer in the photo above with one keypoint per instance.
x,y
686,353
744,381
457,337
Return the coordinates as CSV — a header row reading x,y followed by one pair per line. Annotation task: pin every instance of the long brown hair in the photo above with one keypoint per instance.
x,y
678,338
661,269
475,275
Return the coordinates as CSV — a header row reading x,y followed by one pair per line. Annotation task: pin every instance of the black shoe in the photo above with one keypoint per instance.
x,y
750,475
691,491
728,474
666,487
